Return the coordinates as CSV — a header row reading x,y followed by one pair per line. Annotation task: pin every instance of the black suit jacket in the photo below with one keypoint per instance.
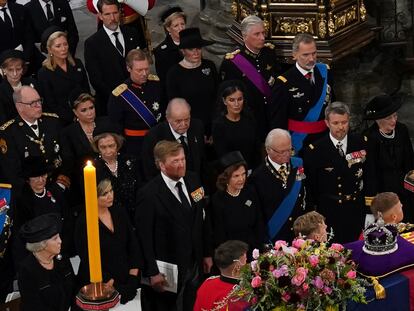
x,y
167,231
271,193
63,18
21,32
195,137
105,65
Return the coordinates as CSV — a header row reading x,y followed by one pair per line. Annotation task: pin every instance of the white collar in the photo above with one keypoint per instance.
x,y
275,165
343,141
303,71
175,134
170,182
110,32
43,3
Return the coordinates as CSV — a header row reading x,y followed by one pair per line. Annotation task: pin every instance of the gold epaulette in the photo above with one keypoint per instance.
x,y
365,138
232,54
311,146
282,78
368,201
153,77
119,89
269,45
50,114
6,125
8,186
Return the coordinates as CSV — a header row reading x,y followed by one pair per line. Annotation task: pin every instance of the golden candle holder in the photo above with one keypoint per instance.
x,y
97,296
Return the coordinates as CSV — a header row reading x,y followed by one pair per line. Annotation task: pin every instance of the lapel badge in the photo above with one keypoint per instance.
x,y
359,173
328,169
62,18
248,203
298,95
198,194
155,106
56,148
206,71
163,47
79,69
293,89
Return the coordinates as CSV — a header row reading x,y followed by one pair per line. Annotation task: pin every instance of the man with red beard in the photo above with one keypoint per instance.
x,y
337,175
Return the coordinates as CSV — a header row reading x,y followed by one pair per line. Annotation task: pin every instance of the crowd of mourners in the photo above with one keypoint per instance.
x,y
192,162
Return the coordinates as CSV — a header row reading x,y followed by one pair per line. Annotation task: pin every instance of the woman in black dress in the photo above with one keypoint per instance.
x,y
13,67
76,146
234,129
61,75
121,169
45,279
120,252
235,209
167,53
194,78
38,198
390,152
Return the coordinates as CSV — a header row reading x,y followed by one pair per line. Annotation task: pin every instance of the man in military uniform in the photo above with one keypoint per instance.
x,y
136,104
300,95
336,175
254,64
278,183
31,133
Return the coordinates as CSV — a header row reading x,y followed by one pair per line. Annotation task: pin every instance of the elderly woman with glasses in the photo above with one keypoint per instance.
x,y
46,280
13,67
61,74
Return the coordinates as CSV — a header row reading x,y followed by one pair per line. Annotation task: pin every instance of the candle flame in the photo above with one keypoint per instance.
x,y
88,163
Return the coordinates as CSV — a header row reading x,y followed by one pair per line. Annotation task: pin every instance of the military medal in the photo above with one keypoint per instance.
x,y
38,141
198,194
206,71
277,174
356,157
300,173
248,203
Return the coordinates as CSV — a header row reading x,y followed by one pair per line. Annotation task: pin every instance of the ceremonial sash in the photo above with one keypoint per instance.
x,y
314,112
5,203
282,213
251,73
139,107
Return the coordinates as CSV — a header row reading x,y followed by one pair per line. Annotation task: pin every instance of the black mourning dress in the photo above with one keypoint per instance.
x,y
390,159
240,136
125,184
198,86
237,218
46,290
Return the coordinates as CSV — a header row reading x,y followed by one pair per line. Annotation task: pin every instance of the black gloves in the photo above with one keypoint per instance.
x,y
128,291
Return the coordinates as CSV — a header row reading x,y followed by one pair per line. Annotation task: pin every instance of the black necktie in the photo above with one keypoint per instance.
x,y
183,141
34,126
340,150
183,198
6,18
49,12
118,43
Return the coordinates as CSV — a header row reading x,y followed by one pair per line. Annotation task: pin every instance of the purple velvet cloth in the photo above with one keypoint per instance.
x,y
381,264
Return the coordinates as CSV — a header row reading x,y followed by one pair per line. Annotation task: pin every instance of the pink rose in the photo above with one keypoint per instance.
x,y
305,286
337,247
313,260
253,264
256,253
327,290
279,244
256,281
351,274
285,297
318,282
298,243
300,276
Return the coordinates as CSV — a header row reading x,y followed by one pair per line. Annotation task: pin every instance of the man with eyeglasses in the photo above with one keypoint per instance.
x,y
278,183
337,175
180,127
31,133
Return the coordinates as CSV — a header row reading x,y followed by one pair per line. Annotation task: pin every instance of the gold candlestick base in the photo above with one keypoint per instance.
x,y
97,296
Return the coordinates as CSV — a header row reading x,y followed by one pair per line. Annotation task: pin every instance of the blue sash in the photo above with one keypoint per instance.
x,y
139,107
284,210
4,194
314,112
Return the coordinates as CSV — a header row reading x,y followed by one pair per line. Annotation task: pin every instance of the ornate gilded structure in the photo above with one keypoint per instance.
x,y
337,25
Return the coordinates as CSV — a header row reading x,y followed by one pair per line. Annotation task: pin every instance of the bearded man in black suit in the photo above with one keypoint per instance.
x,y
105,52
171,227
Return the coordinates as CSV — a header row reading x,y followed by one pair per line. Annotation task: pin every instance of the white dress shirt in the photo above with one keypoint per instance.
x,y
171,184
112,37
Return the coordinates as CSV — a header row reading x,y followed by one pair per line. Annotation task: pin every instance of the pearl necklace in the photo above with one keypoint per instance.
x,y
236,194
389,136
189,65
40,195
115,170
